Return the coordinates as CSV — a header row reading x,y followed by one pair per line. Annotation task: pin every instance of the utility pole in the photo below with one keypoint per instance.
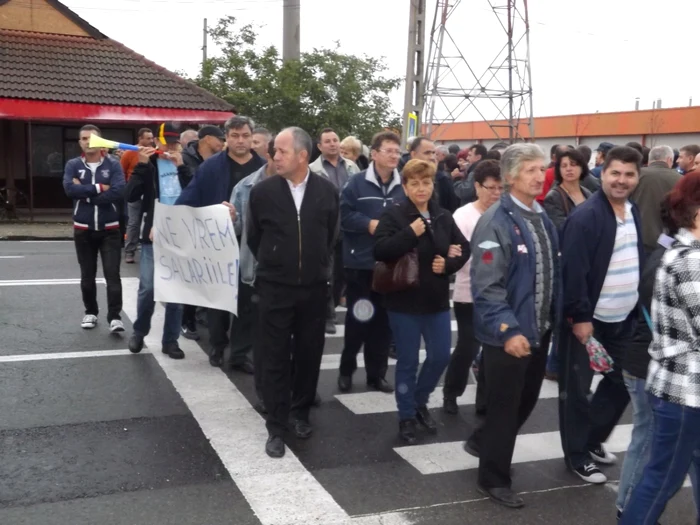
x,y
414,93
204,43
291,43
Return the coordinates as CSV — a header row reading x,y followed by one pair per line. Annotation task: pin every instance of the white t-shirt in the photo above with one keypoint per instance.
x,y
466,218
93,166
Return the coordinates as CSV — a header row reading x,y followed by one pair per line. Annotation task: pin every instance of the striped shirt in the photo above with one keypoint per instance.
x,y
620,291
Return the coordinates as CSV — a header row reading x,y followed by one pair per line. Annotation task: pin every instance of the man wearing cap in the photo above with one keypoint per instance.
x,y
213,184
210,140
159,177
601,152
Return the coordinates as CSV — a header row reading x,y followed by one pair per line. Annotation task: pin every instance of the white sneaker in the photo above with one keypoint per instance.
x,y
591,474
89,321
600,455
116,326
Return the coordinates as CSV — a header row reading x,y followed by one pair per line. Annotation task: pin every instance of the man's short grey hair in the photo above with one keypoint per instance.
x,y
442,149
188,136
660,153
263,131
238,122
410,140
513,157
302,141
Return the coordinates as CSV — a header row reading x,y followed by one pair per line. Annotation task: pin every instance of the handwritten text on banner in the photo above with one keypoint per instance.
x,y
195,254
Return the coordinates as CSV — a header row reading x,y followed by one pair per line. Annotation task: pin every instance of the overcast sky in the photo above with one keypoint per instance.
x,y
590,56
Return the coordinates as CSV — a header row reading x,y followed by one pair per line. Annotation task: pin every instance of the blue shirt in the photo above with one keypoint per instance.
x,y
168,182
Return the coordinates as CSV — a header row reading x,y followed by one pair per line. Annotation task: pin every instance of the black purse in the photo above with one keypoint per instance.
x,y
396,276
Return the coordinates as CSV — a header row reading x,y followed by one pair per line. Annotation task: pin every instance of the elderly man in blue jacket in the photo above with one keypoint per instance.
x,y
602,254
362,202
213,184
515,285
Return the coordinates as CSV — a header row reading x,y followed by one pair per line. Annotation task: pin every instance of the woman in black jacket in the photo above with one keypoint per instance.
x,y
424,311
569,170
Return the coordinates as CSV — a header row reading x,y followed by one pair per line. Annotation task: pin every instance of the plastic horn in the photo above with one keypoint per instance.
x,y
98,142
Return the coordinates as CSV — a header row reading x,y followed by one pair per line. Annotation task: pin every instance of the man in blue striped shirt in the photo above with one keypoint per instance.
x,y
601,253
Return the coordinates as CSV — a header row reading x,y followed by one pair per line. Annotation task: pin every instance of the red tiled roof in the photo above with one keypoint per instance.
x,y
89,70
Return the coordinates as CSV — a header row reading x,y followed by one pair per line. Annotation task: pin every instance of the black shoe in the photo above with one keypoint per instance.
x,y
344,383
135,343
274,447
449,406
260,407
317,400
392,351
190,332
216,357
503,496
407,430
330,327
470,447
302,429
424,418
381,385
173,351
244,366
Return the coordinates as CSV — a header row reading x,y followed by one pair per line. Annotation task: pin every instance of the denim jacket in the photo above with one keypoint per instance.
x,y
239,198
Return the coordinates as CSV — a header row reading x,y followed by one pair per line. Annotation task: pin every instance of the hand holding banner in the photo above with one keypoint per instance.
x,y
196,256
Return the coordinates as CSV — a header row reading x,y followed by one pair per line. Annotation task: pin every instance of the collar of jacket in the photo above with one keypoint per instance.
x,y
659,164
686,238
433,208
508,204
601,196
371,176
255,177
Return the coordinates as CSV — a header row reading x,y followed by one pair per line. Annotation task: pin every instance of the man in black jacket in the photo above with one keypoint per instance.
x,y
159,177
444,194
210,141
292,226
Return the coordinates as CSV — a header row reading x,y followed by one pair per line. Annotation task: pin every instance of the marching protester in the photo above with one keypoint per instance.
x,y
95,182
336,169
351,149
464,184
362,202
129,160
293,243
160,177
602,254
600,154
515,285
570,170
672,378
210,140
261,141
213,184
424,149
489,186
655,181
686,158
420,233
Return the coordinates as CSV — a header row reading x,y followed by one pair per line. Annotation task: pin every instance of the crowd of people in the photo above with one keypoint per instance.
x,y
554,264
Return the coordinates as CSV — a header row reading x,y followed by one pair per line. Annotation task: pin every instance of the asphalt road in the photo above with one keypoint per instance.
x,y
91,434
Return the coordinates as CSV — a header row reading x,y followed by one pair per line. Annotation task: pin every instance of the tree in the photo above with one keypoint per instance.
x,y
325,88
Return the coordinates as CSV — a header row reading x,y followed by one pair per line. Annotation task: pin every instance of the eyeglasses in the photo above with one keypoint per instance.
x,y
493,189
391,152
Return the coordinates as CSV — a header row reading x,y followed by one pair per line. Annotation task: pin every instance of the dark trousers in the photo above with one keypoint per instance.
x,y
512,390
234,334
337,281
373,333
189,316
464,354
286,312
108,244
585,425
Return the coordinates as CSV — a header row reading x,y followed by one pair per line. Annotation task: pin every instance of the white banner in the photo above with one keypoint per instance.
x,y
195,254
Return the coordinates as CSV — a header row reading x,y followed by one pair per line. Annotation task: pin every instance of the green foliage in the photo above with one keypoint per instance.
x,y
324,88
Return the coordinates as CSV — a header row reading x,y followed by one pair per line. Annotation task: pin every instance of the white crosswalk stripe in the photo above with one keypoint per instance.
x,y
341,330
438,458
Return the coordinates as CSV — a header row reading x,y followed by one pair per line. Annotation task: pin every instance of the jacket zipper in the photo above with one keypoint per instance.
x,y
94,206
299,227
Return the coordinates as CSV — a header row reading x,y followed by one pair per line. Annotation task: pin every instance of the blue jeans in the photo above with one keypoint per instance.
x,y
675,447
146,305
407,330
637,454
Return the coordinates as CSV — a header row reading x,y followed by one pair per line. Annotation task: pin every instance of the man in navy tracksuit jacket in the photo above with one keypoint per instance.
x,y
213,184
362,202
602,252
95,182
